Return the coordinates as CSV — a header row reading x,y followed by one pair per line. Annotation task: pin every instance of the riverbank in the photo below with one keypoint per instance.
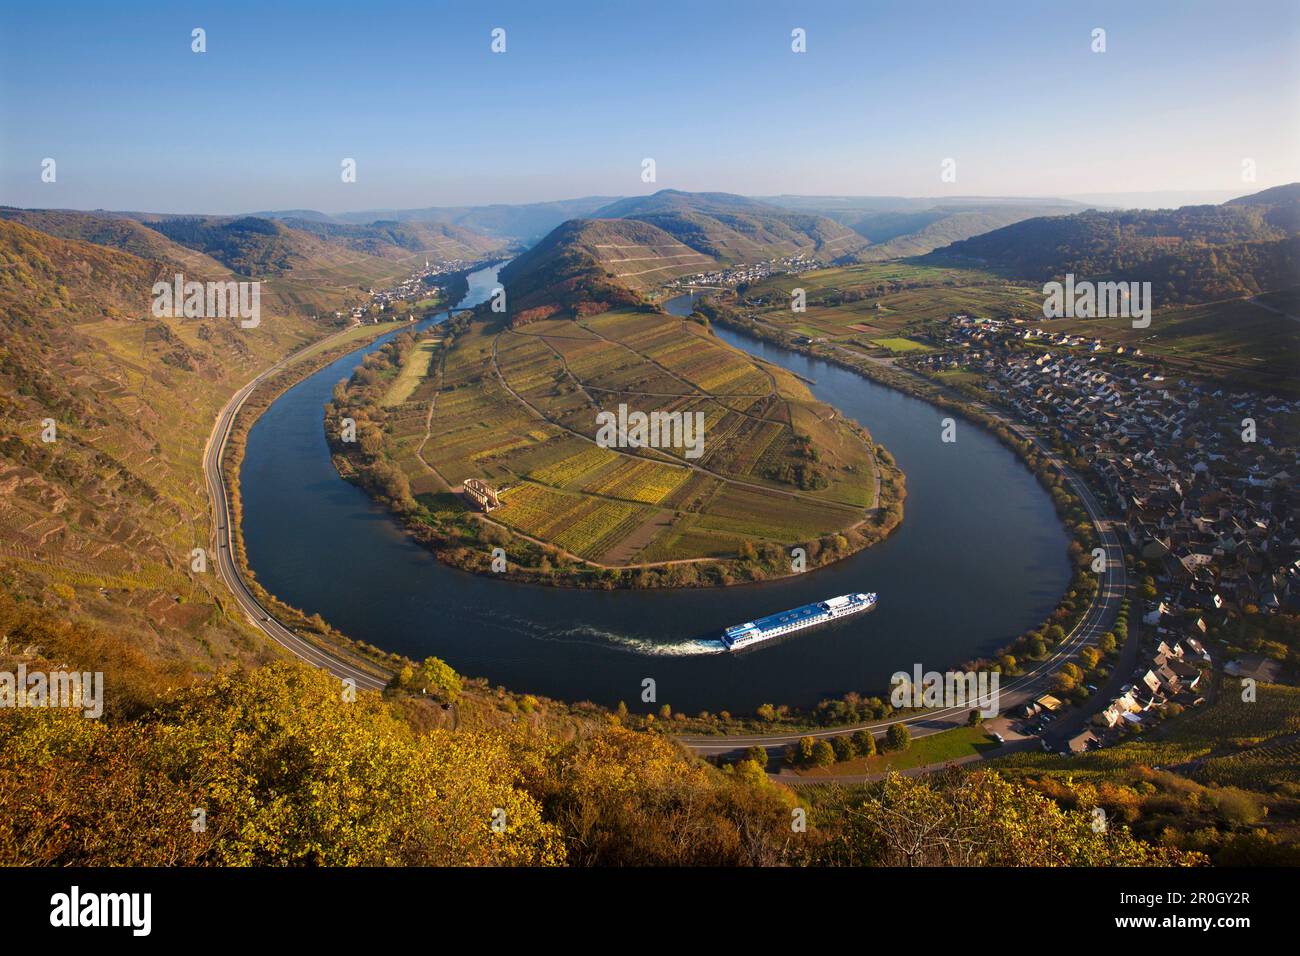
x,y
312,628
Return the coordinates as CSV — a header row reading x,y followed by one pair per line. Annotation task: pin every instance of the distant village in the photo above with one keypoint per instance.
x,y
747,274
1199,474
419,285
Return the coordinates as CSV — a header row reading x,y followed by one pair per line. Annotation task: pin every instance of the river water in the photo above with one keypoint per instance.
x,y
980,557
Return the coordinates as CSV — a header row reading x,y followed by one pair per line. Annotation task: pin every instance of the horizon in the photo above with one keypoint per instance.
x,y
1085,201
137,121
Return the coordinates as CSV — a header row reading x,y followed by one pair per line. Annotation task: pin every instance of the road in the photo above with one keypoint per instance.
x,y
1095,622
334,662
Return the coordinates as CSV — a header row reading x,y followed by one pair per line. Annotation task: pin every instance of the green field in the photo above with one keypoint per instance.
x,y
901,345
936,748
357,333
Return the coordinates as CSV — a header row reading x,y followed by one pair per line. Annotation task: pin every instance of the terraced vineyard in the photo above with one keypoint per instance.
x,y
517,407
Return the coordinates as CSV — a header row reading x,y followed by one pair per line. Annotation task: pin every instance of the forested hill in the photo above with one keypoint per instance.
x,y
319,253
735,229
897,227
1191,254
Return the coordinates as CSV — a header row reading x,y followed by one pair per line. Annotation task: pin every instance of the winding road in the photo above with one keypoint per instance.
x,y
336,663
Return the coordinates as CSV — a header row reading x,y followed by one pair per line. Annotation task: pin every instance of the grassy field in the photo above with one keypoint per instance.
x,y
415,369
936,748
901,345
355,334
517,408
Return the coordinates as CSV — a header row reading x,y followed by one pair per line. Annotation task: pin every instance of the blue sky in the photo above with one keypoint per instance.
x,y
711,90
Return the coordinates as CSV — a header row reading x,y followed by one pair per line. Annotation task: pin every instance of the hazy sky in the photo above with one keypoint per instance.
x,y
710,90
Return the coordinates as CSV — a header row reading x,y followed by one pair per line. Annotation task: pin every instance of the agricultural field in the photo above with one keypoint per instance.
x,y
517,408
951,745
886,305
412,373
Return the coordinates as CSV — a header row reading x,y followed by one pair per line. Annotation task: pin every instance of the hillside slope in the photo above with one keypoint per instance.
x,y
116,232
100,522
306,264
897,227
589,265
522,222
1191,254
634,246
735,229
399,240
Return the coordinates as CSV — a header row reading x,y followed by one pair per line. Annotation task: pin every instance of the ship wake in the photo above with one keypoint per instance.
x,y
641,645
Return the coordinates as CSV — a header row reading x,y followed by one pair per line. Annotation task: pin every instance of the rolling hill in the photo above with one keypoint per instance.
x,y
390,239
520,222
589,265
634,246
256,247
1191,254
734,229
897,227
116,232
99,523
305,264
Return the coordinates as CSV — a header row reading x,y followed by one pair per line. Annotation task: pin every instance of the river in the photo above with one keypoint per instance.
x,y
979,558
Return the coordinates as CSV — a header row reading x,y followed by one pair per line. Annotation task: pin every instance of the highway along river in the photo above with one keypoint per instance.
x,y
979,558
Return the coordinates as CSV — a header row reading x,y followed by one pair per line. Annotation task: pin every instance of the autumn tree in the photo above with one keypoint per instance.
x,y
898,736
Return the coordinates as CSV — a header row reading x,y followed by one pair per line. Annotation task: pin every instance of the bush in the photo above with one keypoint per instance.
x,y
823,754
898,737
865,743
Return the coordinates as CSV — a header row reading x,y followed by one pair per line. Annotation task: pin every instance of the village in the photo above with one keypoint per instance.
x,y
415,287
1200,475
745,274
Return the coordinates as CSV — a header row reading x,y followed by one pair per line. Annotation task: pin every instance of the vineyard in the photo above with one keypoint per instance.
x,y
518,408
644,481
